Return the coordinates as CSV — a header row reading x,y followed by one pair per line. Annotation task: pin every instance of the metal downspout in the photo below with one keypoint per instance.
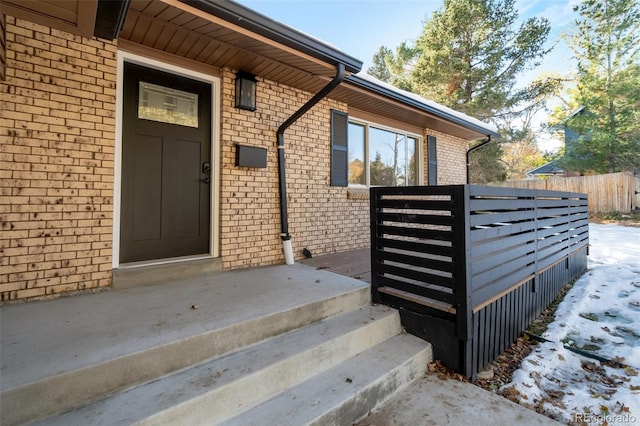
x,y
284,214
469,151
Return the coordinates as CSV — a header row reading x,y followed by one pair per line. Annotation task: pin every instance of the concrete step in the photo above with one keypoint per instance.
x,y
66,353
135,275
347,392
215,391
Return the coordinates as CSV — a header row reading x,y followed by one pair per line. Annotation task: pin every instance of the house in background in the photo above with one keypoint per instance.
x,y
547,170
149,132
574,128
577,131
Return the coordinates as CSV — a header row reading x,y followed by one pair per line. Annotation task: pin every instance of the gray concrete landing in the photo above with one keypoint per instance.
x,y
433,401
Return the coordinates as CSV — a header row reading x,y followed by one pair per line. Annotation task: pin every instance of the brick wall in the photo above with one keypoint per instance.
x,y
452,158
57,138
321,217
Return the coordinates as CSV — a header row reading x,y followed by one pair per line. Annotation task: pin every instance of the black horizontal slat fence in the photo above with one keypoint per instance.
x,y
469,266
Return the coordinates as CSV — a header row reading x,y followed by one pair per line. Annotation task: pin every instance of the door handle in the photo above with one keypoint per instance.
x,y
205,180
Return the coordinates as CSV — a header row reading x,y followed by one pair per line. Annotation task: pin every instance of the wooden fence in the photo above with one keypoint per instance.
x,y
469,267
607,193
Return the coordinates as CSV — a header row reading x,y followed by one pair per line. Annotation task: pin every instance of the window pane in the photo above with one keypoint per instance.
x,y
357,175
412,166
167,105
387,152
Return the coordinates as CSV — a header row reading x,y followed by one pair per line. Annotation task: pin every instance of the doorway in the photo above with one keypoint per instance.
x,y
166,165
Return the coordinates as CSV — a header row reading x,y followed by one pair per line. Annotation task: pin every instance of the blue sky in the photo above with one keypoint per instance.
x,y
360,27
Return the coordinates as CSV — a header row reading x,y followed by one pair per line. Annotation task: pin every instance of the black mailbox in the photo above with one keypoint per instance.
x,y
251,156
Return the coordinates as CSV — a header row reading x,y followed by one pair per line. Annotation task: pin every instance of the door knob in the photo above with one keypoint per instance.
x,y
205,180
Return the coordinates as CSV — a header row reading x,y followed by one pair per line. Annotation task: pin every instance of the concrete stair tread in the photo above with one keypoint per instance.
x,y
247,377
348,391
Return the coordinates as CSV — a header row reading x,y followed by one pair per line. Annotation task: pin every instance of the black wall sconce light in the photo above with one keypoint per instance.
x,y
246,91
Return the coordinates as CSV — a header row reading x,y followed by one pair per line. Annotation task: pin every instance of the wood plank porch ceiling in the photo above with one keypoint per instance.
x,y
179,29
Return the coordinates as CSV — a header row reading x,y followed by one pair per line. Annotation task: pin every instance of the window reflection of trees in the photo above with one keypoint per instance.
x,y
391,157
357,169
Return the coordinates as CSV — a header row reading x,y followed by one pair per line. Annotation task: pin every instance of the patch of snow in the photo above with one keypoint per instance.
x,y
599,315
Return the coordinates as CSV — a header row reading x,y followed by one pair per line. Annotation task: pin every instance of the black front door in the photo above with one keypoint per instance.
x,y
166,154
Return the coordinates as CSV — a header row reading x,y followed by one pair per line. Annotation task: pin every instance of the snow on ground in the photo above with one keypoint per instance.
x,y
600,315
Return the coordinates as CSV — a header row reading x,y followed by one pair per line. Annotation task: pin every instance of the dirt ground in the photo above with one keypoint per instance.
x,y
500,371
625,219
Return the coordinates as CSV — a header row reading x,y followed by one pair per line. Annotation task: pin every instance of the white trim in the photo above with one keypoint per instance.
x,y
216,88
367,124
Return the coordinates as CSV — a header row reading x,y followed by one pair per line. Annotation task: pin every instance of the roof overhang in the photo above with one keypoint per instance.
x,y
73,16
367,93
222,33
279,33
110,18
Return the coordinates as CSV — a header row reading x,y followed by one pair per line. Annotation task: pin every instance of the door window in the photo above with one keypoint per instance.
x,y
167,105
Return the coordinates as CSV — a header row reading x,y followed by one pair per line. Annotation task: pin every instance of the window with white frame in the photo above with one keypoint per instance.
x,y
381,156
